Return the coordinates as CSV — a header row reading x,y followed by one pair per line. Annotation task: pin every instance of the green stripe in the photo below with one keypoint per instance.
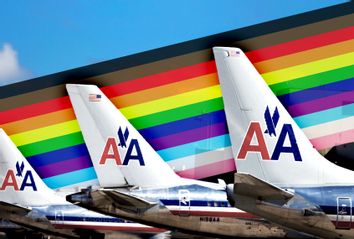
x,y
140,123
177,113
307,82
51,144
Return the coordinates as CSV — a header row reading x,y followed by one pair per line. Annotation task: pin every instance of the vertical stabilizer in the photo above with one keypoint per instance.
x,y
115,146
19,183
266,141
84,106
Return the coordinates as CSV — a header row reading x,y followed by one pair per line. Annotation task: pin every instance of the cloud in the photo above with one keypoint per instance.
x,y
10,69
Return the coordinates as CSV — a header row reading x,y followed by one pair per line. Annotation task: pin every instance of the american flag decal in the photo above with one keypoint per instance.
x,y
233,53
95,97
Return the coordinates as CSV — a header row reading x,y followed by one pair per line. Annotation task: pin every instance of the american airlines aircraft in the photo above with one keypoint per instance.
x,y
280,175
26,201
157,195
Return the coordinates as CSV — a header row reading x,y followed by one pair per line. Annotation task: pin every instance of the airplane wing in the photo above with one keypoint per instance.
x,y
12,208
250,186
19,215
127,201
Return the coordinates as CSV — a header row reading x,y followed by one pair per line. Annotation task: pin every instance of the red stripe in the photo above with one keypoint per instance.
x,y
301,44
111,91
35,109
159,79
344,225
180,74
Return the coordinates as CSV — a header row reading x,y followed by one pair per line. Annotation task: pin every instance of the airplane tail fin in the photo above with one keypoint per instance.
x,y
115,146
19,182
266,141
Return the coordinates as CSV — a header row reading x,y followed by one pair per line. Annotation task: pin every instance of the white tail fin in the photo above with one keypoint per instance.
x,y
108,175
114,144
19,183
266,141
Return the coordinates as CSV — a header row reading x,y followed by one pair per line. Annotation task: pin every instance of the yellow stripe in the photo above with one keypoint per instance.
x,y
155,93
311,68
150,107
44,133
171,102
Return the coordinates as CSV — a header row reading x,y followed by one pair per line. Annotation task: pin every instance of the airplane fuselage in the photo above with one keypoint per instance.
x,y
336,202
69,218
189,208
75,217
322,211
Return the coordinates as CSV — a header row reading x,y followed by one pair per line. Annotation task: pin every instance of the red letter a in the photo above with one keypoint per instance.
x,y
9,181
110,144
253,129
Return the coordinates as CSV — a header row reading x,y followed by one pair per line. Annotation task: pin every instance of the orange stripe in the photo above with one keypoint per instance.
x,y
166,90
120,101
182,86
305,56
38,121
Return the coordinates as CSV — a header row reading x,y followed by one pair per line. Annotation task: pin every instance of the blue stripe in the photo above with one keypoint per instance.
x,y
324,116
71,178
197,147
196,203
317,92
329,209
183,125
58,155
90,219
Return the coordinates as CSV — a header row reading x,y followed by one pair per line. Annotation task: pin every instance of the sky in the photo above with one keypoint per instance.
x,y
38,38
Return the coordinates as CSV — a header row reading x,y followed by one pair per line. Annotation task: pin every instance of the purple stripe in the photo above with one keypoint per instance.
x,y
322,104
65,166
317,92
189,136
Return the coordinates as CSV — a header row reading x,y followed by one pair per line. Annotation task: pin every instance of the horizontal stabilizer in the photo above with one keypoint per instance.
x,y
128,202
250,186
12,208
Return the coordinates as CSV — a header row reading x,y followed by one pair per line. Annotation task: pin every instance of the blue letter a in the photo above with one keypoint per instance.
x,y
134,144
280,148
28,177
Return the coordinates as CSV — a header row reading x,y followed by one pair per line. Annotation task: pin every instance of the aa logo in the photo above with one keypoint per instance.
x,y
19,180
255,132
131,148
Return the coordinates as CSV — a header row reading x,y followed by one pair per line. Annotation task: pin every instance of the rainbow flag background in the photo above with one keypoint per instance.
x,y
172,95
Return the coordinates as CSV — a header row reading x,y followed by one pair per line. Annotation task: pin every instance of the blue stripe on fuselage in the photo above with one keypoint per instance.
x,y
197,203
326,197
88,219
200,196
